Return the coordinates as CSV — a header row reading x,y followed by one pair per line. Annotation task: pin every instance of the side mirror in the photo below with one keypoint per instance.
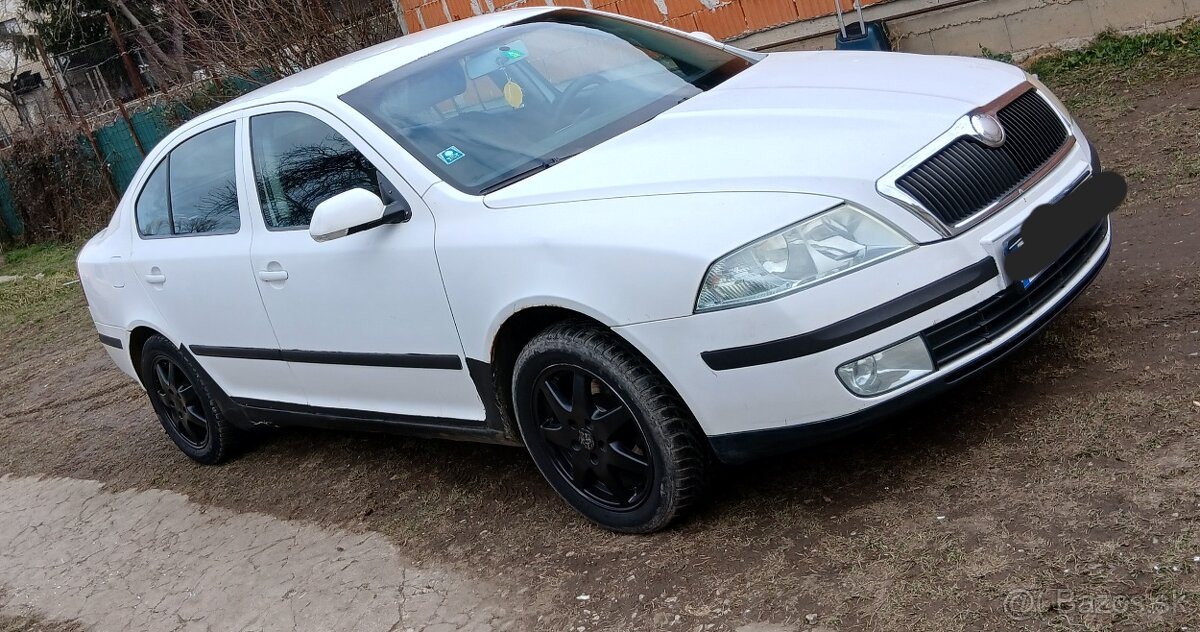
x,y
704,36
352,212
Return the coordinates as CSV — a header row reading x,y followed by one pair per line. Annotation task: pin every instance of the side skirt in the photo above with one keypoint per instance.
x,y
287,414
248,414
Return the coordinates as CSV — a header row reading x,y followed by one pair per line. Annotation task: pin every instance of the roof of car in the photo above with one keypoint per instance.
x,y
336,77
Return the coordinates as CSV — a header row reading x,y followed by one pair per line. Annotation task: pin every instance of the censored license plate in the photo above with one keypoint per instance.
x,y
1014,245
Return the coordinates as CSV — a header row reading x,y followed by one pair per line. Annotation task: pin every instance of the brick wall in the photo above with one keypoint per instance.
x,y
723,19
1020,27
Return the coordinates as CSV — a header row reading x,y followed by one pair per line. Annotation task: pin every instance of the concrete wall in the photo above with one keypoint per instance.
x,y
1020,27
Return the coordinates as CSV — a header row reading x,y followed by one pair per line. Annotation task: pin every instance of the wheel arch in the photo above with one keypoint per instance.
x,y
137,340
516,331
141,332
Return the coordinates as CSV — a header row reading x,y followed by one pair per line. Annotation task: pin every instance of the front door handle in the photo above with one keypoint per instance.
x,y
273,276
155,276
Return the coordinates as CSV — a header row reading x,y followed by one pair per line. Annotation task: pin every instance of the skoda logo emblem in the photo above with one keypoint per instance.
x,y
586,440
988,129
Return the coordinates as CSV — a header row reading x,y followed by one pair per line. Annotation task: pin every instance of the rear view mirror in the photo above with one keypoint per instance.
x,y
495,59
351,212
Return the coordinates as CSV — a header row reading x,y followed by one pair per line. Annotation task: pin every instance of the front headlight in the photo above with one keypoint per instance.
x,y
825,246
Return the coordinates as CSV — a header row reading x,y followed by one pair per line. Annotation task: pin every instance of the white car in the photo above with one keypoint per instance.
x,y
627,248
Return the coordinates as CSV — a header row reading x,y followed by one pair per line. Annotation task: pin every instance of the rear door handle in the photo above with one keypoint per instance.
x,y
156,279
273,276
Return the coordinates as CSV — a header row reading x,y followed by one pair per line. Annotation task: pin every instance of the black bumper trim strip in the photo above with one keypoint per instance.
x,y
392,360
115,343
855,327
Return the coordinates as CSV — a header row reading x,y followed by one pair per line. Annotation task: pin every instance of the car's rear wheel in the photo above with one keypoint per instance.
x,y
606,430
182,399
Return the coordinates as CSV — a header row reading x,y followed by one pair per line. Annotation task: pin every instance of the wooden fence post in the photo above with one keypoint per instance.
x,y
134,78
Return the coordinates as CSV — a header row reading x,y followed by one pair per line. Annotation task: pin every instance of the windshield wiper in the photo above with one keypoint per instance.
x,y
537,168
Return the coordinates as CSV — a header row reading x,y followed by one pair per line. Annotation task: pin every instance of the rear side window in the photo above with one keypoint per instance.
x,y
300,162
204,184
193,191
153,214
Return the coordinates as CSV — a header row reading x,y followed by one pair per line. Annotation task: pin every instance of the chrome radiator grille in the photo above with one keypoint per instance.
x,y
968,177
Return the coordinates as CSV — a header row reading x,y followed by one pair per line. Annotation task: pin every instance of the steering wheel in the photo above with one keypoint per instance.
x,y
572,92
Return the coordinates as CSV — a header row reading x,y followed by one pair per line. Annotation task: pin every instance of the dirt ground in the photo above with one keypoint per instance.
x,y
1060,491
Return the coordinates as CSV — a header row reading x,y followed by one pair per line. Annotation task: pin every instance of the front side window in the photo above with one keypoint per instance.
x,y
300,162
494,108
194,190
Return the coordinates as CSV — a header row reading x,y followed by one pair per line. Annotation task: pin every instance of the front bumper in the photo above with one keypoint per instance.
x,y
753,398
975,348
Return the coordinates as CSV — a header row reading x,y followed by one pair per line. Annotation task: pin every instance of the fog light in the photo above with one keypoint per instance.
x,y
887,370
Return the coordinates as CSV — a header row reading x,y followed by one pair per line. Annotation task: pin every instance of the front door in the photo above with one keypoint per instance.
x,y
363,320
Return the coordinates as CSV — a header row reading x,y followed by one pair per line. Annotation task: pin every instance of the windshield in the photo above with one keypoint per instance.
x,y
500,106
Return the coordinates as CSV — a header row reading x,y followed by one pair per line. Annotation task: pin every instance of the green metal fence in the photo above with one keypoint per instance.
x,y
119,149
118,142
10,220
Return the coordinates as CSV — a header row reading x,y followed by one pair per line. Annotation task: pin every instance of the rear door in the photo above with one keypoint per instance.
x,y
192,256
363,320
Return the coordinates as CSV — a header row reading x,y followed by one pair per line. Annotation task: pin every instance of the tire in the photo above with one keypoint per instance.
x,y
632,418
184,404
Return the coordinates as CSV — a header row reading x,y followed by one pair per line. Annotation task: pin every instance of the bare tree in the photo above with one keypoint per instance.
x,y
171,67
13,43
267,39
78,31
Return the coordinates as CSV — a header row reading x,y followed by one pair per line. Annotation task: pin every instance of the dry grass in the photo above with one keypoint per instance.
x,y
47,287
32,624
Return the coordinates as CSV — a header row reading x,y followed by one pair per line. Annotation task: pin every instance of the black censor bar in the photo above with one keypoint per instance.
x,y
1052,228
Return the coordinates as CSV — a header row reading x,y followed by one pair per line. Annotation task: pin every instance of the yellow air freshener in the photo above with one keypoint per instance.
x,y
514,95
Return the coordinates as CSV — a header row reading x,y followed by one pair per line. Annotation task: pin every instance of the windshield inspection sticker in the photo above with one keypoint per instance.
x,y
451,155
509,54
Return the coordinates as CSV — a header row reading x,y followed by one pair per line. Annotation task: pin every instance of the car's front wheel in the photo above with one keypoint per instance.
x,y
183,400
606,429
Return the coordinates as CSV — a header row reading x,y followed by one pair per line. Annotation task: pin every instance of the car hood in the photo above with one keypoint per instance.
x,y
826,123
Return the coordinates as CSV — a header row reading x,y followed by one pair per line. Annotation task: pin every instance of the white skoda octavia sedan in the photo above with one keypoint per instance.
x,y
629,249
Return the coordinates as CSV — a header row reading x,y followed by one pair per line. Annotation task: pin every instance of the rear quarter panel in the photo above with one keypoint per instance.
x,y
117,302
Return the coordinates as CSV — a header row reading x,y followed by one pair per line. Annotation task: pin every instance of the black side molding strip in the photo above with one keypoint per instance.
x,y
855,327
242,353
115,343
394,360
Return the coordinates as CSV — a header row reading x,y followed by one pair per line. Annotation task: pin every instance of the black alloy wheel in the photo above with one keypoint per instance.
x,y
182,396
596,443
606,429
178,395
